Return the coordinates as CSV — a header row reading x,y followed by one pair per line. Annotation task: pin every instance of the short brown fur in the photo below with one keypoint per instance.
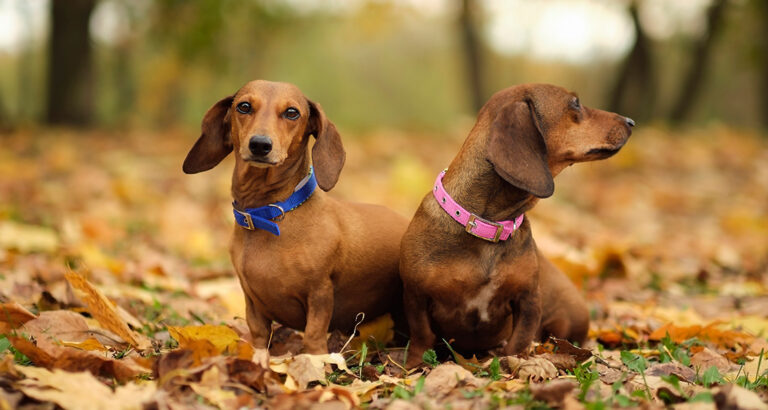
x,y
333,258
485,295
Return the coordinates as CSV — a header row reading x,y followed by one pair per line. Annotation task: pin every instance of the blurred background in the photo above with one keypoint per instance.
x,y
101,99
414,65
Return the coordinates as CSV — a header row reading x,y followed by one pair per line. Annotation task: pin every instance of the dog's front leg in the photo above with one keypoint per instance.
x,y
319,313
527,321
260,328
422,337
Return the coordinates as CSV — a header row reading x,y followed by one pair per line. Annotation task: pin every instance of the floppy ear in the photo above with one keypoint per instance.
x,y
328,153
517,150
213,144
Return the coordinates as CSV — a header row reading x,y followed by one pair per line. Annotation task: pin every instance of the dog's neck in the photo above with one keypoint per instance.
x,y
473,183
255,186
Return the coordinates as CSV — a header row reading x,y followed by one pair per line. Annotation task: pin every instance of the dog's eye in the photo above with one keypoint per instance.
x,y
575,104
292,113
244,108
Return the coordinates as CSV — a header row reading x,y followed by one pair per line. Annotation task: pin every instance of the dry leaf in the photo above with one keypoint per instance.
x,y
210,388
534,369
75,360
732,396
223,338
14,314
103,310
379,330
446,377
553,392
67,390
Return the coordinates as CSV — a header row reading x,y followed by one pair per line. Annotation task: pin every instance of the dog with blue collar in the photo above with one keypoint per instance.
x,y
303,258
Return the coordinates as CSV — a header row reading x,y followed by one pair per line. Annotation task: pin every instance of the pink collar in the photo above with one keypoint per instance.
x,y
475,225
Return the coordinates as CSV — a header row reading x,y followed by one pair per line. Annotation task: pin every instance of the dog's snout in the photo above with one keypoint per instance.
x,y
629,121
260,145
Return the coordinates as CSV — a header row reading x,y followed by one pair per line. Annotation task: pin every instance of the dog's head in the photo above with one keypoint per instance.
x,y
536,130
265,124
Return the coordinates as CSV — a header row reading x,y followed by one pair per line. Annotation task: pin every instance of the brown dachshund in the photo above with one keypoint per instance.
x,y
315,266
500,292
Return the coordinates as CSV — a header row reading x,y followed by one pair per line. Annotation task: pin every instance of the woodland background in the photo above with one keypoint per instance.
x,y
114,271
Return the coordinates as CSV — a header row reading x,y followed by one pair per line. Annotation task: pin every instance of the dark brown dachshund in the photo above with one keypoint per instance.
x,y
500,292
303,259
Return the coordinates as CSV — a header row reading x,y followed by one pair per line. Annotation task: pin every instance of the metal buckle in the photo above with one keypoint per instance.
x,y
248,220
472,224
282,212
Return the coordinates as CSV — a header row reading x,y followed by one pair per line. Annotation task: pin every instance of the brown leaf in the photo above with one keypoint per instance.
x,y
563,346
446,377
561,361
535,369
684,373
731,396
14,314
76,360
104,311
553,392
707,358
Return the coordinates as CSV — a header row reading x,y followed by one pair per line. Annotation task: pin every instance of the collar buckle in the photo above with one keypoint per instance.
x,y
471,224
247,218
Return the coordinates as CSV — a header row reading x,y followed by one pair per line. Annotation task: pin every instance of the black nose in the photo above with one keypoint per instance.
x,y
629,121
260,145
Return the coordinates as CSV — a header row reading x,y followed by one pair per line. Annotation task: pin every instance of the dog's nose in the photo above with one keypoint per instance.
x,y
629,121
260,145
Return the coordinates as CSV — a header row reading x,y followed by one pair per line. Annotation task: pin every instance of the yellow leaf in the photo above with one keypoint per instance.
x,y
103,310
378,330
27,238
222,338
87,344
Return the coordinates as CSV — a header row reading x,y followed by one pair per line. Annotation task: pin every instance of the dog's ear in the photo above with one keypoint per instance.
x,y
518,152
328,153
214,143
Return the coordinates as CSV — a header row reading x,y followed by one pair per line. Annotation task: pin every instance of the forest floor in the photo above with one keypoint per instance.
x,y
116,288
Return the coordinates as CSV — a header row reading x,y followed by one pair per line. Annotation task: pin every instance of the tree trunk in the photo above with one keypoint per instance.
x,y
472,53
634,92
70,66
764,94
693,81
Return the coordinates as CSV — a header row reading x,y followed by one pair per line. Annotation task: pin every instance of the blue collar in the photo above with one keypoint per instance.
x,y
264,217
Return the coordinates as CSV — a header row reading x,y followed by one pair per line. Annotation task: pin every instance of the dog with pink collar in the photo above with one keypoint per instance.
x,y
471,271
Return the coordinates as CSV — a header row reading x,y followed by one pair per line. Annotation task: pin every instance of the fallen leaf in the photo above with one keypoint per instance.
x,y
87,344
76,360
731,396
66,389
222,338
446,377
209,387
27,238
14,314
553,392
379,330
535,369
684,373
707,358
103,310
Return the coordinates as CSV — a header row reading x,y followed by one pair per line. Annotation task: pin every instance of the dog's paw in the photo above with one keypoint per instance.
x,y
261,357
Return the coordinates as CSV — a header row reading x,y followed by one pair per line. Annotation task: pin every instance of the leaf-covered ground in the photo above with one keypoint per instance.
x,y
116,288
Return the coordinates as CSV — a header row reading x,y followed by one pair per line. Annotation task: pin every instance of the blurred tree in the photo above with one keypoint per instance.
x,y
472,52
634,92
70,65
693,81
763,5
